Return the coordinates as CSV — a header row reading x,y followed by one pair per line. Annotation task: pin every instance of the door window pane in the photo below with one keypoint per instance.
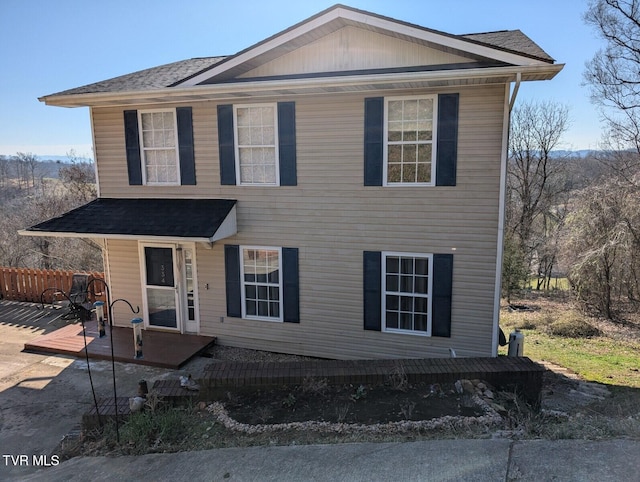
x,y
159,265
162,307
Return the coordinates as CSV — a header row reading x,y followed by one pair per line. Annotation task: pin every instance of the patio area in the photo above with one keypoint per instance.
x,y
160,349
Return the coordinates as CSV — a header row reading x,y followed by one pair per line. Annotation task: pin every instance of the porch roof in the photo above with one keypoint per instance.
x,y
197,220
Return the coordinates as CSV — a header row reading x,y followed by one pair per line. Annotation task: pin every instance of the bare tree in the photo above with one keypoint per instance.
x,y
603,246
28,163
4,170
612,74
20,208
536,185
79,178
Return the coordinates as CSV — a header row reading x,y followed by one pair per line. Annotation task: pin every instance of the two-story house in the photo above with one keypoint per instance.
x,y
336,190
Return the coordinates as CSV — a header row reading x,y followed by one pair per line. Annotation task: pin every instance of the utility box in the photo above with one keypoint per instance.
x,y
516,343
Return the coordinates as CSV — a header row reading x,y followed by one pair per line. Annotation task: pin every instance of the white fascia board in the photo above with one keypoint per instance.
x,y
462,45
262,48
273,87
137,237
374,21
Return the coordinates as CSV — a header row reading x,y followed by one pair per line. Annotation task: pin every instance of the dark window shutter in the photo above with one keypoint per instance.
x,y
232,280
287,143
185,146
373,140
290,286
372,268
447,144
226,145
132,144
442,288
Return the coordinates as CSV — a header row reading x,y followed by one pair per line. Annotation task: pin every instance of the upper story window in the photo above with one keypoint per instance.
x,y
159,143
409,155
256,144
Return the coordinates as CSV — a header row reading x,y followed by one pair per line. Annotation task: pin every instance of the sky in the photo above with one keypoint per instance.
x,y
52,45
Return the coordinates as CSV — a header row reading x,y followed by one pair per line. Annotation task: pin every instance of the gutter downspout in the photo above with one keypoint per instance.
x,y
508,107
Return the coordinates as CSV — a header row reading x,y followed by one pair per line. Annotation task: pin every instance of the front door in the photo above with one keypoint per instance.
x,y
161,287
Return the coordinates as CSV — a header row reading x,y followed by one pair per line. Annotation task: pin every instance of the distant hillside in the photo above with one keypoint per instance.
x,y
63,158
52,158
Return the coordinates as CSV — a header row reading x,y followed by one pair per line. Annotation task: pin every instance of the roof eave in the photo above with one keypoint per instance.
x,y
57,234
302,86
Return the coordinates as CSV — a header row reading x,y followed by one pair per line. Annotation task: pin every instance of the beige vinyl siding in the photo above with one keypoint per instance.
x,y
124,278
331,217
353,48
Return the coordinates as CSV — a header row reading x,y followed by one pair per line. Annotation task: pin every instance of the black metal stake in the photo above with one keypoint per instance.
x,y
113,362
84,335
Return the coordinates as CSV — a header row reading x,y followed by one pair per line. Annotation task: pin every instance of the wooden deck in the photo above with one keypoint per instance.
x,y
160,349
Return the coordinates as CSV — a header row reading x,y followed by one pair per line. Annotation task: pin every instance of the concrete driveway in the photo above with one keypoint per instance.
x,y
43,397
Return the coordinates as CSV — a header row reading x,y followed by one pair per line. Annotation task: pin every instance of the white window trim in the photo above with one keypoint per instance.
x,y
280,319
434,138
143,149
429,296
236,143
183,295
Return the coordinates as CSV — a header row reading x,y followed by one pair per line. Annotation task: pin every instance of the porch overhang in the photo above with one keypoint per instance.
x,y
186,220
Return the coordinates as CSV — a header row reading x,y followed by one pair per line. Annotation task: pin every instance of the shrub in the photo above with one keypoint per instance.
x,y
315,386
572,327
151,430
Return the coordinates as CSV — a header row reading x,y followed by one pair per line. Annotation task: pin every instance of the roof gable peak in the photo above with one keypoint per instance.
x,y
473,46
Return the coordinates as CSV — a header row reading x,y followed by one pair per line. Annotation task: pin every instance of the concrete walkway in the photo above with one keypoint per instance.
x,y
435,460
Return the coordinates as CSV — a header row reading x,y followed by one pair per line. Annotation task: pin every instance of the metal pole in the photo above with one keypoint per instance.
x,y
113,360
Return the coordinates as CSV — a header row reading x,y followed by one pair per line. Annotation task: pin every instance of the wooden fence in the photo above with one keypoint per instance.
x,y
23,284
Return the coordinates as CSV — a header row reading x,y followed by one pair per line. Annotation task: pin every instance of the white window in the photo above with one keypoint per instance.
x,y
256,144
159,142
261,283
406,284
410,130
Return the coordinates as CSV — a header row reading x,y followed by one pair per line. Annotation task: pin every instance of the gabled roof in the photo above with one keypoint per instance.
x,y
199,220
339,16
148,79
480,57
512,40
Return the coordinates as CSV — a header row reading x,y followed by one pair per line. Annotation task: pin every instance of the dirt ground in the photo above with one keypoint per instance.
x,y
349,404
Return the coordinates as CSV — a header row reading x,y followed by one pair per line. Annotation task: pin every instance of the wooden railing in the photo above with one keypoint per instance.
x,y
24,284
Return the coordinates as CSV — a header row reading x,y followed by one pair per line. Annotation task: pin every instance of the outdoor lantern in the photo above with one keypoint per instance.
x,y
136,324
99,309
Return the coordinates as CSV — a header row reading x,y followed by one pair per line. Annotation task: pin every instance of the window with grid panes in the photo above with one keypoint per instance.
x,y
262,285
409,140
257,156
158,138
406,292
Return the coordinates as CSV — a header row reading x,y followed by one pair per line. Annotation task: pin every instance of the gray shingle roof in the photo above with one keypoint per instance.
x,y
148,79
107,217
512,40
169,75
